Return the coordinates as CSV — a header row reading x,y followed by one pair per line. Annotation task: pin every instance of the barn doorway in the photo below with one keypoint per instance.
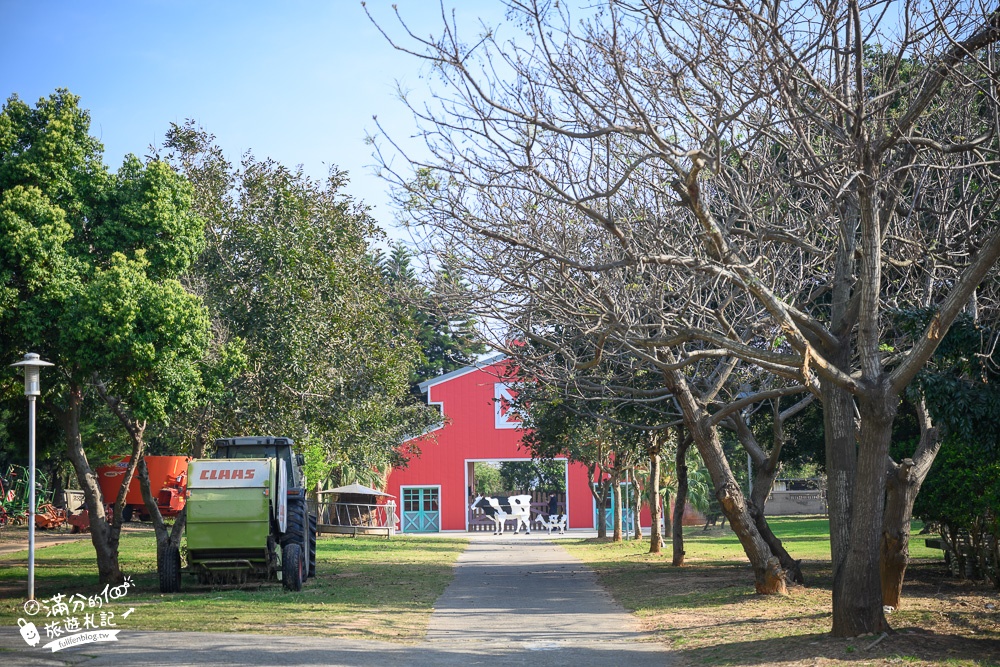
x,y
542,480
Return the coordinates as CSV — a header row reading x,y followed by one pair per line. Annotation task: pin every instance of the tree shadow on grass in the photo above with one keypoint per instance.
x,y
662,587
905,646
74,573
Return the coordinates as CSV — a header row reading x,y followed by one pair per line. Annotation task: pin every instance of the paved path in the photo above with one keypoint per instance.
x,y
518,600
523,600
43,539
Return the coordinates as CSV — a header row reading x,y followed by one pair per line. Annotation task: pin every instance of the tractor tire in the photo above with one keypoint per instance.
x,y
295,529
169,569
294,526
312,545
127,512
292,568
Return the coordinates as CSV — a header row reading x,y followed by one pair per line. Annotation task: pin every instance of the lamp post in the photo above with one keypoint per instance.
x,y
32,388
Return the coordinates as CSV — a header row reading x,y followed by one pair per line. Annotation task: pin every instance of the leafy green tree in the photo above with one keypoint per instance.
x,y
487,476
288,270
434,312
548,476
89,262
961,493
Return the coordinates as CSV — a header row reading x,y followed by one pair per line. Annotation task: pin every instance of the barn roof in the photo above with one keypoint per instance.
x,y
482,363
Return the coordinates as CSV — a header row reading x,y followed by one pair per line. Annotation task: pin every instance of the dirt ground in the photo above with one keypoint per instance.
x,y
942,621
15,538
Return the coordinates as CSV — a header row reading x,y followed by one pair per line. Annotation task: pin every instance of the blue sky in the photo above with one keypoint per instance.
x,y
293,80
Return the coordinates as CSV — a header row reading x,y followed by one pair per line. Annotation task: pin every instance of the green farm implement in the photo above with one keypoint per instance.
x,y
247,517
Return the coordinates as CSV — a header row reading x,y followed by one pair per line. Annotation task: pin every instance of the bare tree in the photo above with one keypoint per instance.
x,y
799,169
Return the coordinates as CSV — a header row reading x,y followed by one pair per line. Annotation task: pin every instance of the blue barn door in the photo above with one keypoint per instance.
x,y
421,510
628,515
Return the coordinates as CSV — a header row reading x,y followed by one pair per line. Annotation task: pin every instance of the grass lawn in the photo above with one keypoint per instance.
x,y
365,588
708,611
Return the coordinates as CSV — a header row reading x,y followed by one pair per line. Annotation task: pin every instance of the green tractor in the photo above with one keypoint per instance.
x,y
247,517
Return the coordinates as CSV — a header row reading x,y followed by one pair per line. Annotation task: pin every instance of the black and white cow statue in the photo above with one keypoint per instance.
x,y
499,508
553,522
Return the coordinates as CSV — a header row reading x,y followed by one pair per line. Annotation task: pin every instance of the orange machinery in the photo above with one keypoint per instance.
x,y
167,479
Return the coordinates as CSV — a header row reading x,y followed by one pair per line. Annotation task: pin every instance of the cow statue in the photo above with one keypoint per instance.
x,y
500,507
553,522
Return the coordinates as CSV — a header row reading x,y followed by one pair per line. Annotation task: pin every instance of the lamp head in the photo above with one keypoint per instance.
x,y
32,364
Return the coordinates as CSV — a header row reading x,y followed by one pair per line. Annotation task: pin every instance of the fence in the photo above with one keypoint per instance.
x,y
355,518
797,496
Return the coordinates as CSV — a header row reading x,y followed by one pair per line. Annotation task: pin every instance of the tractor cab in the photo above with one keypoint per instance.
x,y
265,448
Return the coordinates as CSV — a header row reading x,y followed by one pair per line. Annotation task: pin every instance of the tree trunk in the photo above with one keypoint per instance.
x,y
136,431
667,512
152,508
600,499
655,537
765,471
857,590
902,486
839,431
616,505
636,507
894,547
105,536
841,466
764,475
164,537
602,522
681,471
792,567
769,578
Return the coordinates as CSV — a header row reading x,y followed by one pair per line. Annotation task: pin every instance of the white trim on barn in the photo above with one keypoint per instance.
x,y
503,397
427,384
489,361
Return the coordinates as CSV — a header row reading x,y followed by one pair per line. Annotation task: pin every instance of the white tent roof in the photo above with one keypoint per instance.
x,y
359,489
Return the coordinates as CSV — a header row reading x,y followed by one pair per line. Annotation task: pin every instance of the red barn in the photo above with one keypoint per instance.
x,y
434,490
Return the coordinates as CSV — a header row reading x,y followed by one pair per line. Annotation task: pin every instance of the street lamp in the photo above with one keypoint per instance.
x,y
32,388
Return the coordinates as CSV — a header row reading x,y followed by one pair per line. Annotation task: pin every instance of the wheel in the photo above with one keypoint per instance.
x,y
169,569
312,545
292,567
295,529
127,512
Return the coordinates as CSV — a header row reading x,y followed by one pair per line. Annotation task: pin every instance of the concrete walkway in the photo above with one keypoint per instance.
x,y
515,600
525,600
